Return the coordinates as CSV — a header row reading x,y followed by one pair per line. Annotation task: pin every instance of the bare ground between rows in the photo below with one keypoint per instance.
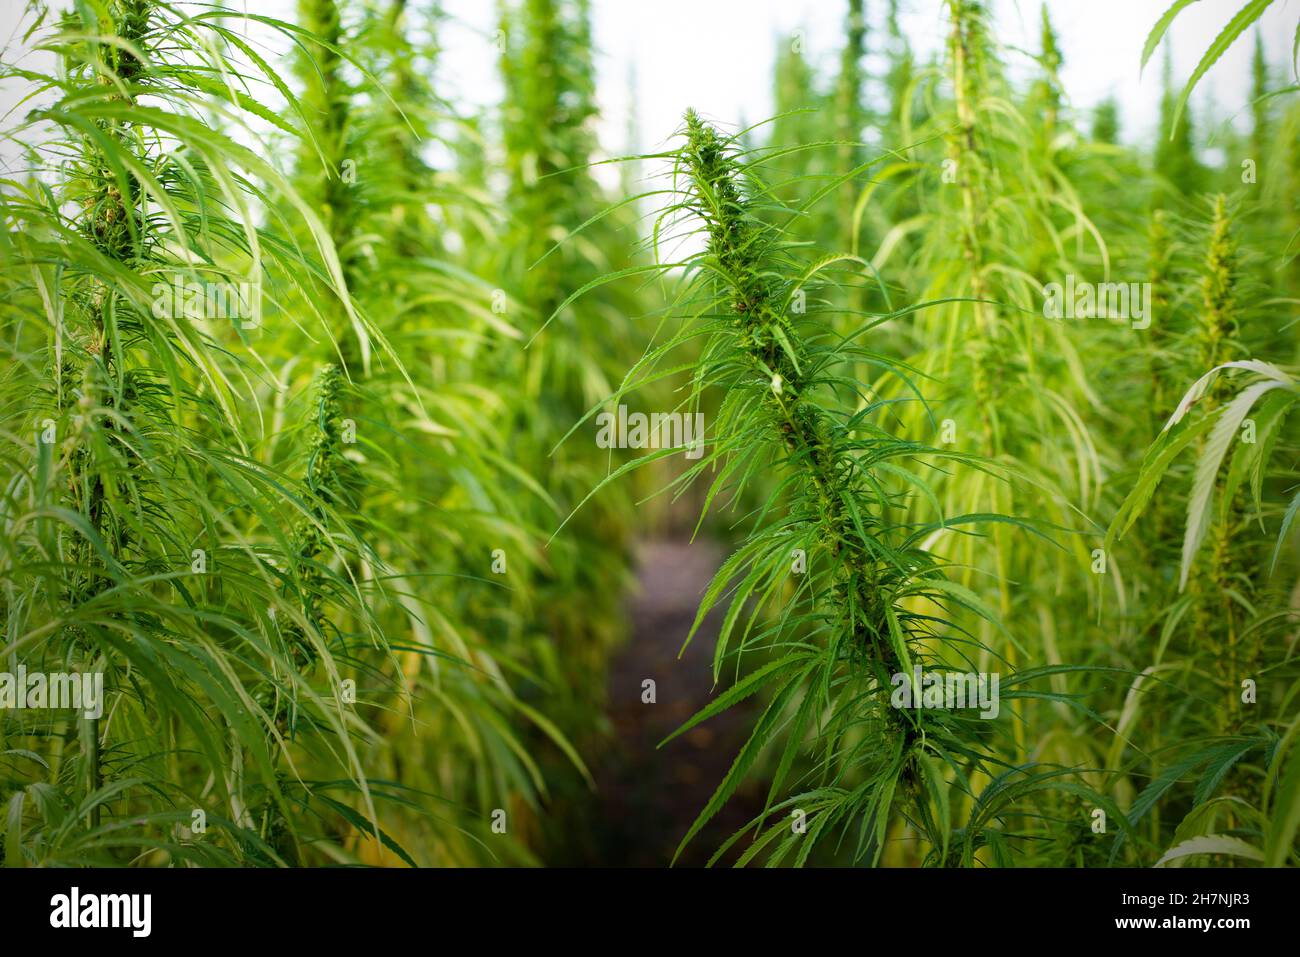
x,y
646,797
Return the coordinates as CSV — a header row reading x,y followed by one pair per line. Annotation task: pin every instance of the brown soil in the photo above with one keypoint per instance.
x,y
647,797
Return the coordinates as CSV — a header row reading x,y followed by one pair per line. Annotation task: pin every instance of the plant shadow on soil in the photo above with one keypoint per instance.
x,y
646,797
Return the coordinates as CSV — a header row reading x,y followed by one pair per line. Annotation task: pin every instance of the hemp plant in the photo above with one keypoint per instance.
x,y
144,537
1232,420
831,598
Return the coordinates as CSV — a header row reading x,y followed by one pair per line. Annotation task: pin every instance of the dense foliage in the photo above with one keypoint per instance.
x,y
303,371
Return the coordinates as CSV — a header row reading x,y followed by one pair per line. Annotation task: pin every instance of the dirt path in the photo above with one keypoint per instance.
x,y
646,797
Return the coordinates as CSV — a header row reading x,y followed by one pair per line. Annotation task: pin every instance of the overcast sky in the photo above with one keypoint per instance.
x,y
716,55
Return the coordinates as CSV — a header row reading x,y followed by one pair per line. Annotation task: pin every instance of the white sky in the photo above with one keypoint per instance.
x,y
716,55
